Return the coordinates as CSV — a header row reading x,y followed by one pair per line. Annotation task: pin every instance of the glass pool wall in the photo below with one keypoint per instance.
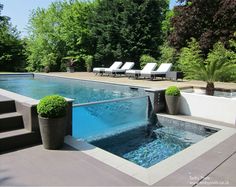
x,y
98,120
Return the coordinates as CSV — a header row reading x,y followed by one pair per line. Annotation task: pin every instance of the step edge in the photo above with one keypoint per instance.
x,y
13,133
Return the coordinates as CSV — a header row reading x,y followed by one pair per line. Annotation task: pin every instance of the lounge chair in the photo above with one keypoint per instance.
x,y
101,70
147,69
162,70
122,70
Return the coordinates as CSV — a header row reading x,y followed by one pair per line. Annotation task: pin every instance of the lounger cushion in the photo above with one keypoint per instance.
x,y
126,66
133,71
115,65
164,68
149,67
99,69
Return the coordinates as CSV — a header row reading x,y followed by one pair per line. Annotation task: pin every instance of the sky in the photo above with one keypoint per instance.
x,y
19,11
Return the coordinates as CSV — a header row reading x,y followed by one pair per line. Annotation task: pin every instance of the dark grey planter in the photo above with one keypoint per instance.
x,y
172,104
70,69
52,132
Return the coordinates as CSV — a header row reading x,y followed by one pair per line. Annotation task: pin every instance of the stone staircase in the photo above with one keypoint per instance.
x,y
13,134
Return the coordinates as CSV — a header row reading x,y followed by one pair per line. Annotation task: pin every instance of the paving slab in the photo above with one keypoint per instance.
x,y
209,167
158,83
224,175
36,166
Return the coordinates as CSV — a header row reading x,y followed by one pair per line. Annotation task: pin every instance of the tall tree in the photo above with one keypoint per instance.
x,y
126,29
56,33
208,21
11,46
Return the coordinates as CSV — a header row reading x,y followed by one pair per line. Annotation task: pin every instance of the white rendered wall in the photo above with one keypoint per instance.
x,y
208,107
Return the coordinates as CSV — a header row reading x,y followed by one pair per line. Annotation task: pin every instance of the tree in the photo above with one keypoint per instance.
x,y
219,62
168,54
11,46
126,29
108,30
57,32
209,21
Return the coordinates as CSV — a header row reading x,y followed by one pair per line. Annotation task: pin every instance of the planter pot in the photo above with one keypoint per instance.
x,y
70,69
172,104
52,132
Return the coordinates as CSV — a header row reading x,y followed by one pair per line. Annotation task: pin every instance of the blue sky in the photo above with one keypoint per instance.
x,y
19,11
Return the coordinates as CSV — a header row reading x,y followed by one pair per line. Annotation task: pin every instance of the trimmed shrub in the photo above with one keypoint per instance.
x,y
53,106
172,91
144,59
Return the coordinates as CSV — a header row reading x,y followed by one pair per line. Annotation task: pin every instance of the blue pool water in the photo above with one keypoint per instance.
x,y
147,150
104,119
81,91
89,121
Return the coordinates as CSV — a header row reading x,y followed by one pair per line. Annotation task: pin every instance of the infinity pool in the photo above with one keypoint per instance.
x,y
37,87
90,121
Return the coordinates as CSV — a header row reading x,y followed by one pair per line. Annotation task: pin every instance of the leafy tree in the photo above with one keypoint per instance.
x,y
55,33
166,24
126,29
11,46
209,21
219,62
106,29
168,54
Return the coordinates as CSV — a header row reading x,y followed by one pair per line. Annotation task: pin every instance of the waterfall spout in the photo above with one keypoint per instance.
x,y
153,122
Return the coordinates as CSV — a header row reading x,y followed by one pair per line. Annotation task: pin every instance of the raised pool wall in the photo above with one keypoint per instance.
x,y
209,107
157,98
220,109
26,106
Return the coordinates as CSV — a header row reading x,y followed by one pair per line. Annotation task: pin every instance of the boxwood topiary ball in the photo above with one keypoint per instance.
x,y
172,91
53,106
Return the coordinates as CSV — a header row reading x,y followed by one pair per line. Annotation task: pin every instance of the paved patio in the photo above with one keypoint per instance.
x,y
158,83
35,166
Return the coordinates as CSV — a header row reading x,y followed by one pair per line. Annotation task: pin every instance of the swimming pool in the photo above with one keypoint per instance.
x,y
146,150
99,109
38,86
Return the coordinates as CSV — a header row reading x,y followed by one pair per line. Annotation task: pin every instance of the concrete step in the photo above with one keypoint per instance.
x,y
16,139
7,105
10,121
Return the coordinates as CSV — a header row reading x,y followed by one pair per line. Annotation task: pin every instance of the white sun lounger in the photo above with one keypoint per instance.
x,y
101,70
122,70
162,70
147,69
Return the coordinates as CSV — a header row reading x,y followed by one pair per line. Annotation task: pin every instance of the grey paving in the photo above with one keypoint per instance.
x,y
211,167
36,166
225,174
3,98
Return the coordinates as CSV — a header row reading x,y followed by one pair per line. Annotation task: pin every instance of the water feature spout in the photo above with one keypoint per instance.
x,y
153,122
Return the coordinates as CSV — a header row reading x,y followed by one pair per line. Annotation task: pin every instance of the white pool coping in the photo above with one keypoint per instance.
x,y
162,169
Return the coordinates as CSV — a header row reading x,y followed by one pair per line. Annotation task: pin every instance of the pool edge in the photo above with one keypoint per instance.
x,y
168,166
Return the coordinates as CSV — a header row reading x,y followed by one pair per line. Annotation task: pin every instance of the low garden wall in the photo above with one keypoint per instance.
x,y
209,107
